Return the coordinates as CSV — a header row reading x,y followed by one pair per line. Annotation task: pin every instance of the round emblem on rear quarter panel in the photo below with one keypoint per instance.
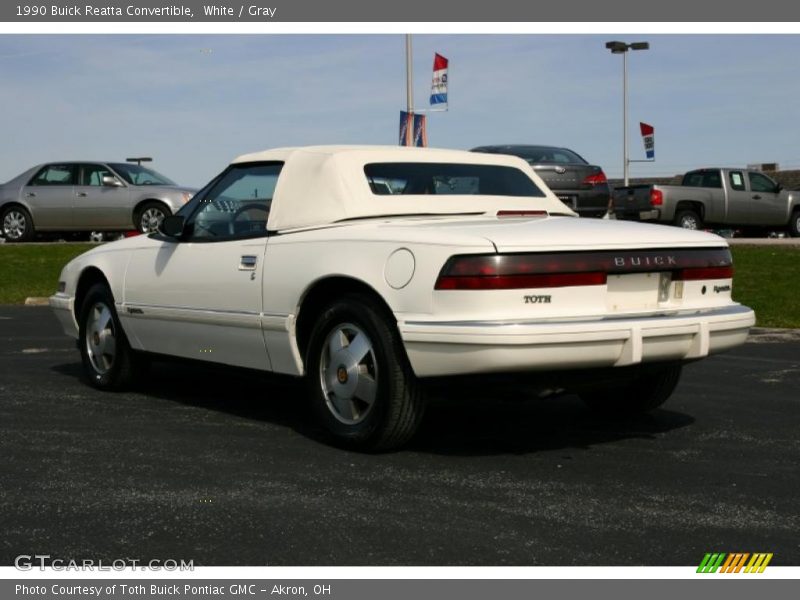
x,y
399,268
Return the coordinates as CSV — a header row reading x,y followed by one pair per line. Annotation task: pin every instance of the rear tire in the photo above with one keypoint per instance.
x,y
108,360
794,223
688,219
646,391
16,224
361,388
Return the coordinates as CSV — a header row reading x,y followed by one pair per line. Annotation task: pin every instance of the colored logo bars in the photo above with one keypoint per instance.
x,y
734,562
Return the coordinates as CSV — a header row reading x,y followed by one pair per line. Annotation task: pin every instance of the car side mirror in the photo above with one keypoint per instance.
x,y
173,226
778,188
111,181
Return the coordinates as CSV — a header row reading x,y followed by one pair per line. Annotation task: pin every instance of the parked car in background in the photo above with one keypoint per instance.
x,y
368,269
713,198
87,196
579,185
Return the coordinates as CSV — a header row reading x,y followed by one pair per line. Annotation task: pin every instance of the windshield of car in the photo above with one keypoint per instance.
x,y
139,175
443,179
236,204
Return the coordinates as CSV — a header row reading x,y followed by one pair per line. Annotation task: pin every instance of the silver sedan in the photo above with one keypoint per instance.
x,y
87,196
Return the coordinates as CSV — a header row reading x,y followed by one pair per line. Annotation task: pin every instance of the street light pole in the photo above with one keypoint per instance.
x,y
622,48
625,162
409,67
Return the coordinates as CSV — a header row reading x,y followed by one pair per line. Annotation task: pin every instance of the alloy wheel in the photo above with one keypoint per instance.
x,y
151,220
348,373
101,342
14,224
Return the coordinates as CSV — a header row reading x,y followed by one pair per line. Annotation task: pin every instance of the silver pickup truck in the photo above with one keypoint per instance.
x,y
713,198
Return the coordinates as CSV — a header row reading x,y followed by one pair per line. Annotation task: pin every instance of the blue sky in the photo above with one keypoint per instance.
x,y
194,102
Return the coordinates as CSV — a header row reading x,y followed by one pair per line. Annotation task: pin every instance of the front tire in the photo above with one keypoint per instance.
x,y
150,216
361,387
645,391
688,219
794,223
17,224
108,360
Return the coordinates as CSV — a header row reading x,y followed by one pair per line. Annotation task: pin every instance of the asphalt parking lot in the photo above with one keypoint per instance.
x,y
219,466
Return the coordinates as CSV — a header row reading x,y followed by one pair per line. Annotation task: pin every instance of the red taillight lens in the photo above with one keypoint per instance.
x,y
517,271
656,198
595,179
725,272
516,282
522,213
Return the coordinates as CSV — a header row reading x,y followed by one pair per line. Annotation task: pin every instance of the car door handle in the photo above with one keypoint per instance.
x,y
756,197
248,262
30,195
82,194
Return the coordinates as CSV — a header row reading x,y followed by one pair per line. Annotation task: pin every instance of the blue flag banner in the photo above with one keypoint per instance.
x,y
413,129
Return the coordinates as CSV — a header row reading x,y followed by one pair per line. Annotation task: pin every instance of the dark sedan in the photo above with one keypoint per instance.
x,y
579,185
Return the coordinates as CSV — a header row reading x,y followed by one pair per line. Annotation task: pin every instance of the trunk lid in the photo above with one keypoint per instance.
x,y
563,233
566,176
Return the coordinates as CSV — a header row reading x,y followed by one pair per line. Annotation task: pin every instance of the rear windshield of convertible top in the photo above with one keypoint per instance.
x,y
387,179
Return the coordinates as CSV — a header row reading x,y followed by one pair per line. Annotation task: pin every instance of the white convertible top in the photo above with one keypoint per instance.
x,y
319,185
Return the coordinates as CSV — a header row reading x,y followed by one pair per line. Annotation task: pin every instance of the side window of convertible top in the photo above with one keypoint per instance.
x,y
237,205
443,179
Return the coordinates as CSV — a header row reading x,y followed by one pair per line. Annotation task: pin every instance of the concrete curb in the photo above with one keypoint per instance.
x,y
37,301
763,241
759,335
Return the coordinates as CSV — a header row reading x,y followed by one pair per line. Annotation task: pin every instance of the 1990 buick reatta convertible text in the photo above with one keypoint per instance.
x,y
368,269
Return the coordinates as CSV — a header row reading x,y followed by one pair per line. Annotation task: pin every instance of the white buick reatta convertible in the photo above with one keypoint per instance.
x,y
368,269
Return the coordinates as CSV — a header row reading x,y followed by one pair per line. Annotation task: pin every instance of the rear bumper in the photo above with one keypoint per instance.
x,y
460,348
638,215
587,203
62,306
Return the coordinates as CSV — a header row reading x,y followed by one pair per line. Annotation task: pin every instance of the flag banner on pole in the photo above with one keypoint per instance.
x,y
439,87
406,128
421,131
649,139
413,129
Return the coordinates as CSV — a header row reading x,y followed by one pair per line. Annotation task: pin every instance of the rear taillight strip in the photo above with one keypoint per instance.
x,y
562,269
516,282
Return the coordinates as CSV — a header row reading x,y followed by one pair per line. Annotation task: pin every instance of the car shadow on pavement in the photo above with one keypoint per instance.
x,y
464,420
484,425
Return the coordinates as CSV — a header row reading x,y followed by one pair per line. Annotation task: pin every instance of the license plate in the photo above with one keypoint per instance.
x,y
568,200
633,291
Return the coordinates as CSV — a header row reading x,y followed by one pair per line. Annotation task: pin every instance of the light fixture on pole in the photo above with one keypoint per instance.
x,y
622,48
139,159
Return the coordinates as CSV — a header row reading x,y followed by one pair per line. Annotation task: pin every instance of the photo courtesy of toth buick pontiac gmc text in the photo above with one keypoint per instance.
x,y
370,270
